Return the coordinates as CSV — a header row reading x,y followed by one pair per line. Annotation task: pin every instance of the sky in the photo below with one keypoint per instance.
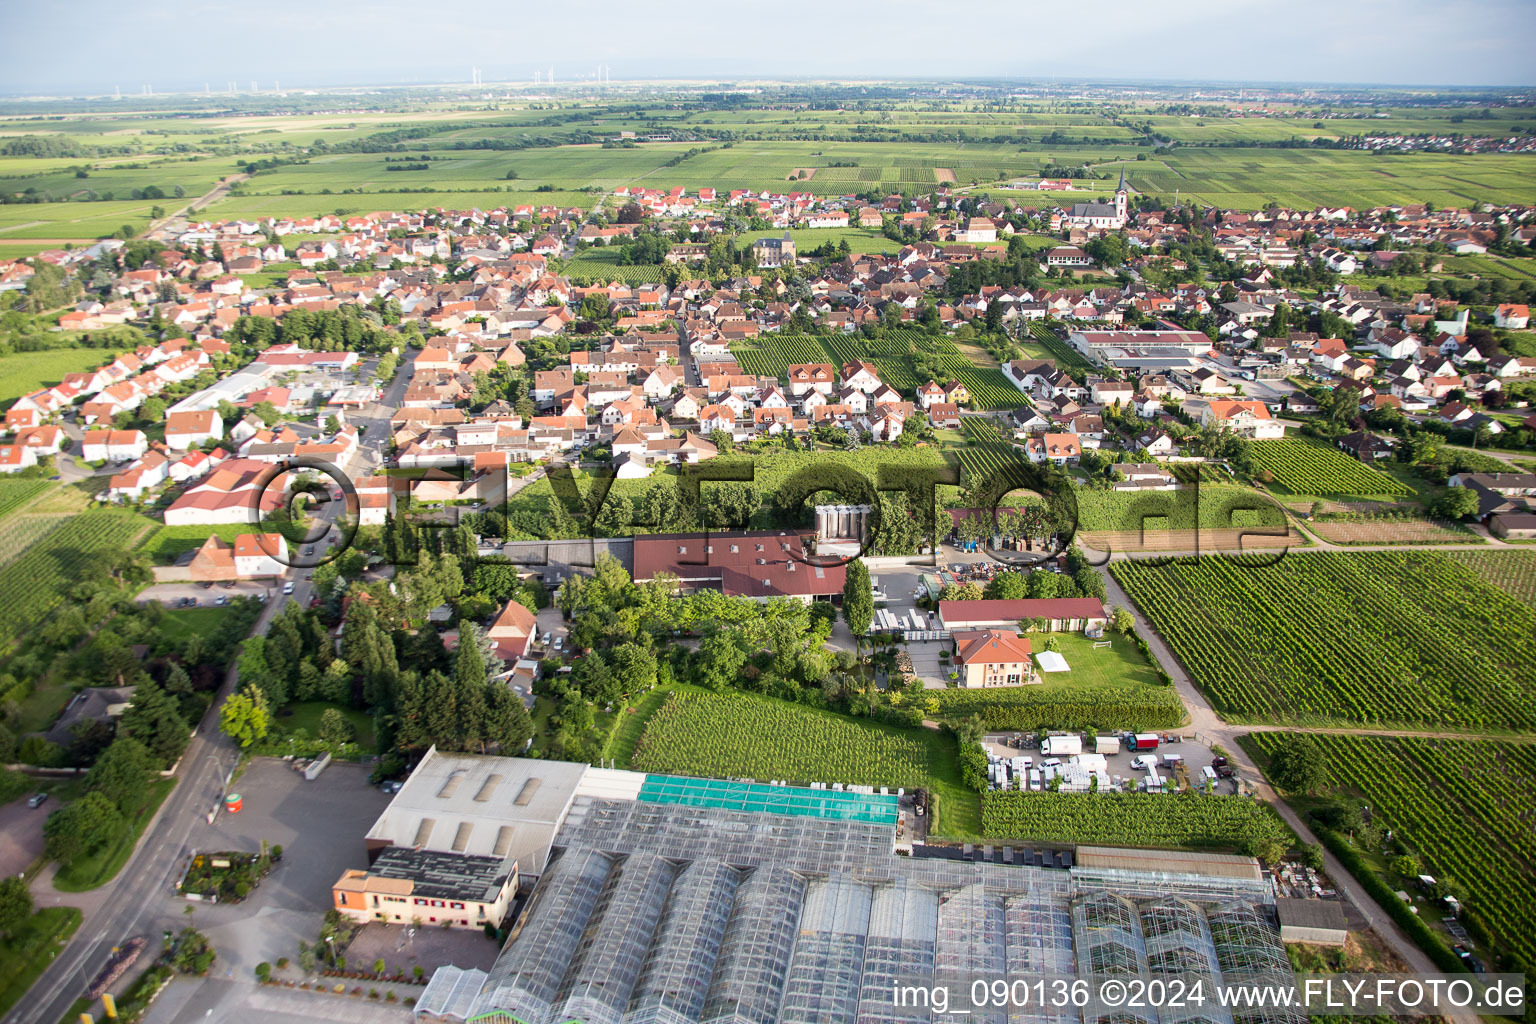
x,y
181,45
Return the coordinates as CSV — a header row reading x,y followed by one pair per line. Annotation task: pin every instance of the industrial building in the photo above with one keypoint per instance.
x,y
671,900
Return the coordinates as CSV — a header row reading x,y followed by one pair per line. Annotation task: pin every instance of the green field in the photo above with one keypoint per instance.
x,y
742,736
168,543
1513,572
1158,820
31,584
1368,638
16,493
180,623
1463,807
1309,468
22,373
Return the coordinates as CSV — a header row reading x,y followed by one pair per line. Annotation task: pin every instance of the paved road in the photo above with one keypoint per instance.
x,y
166,229
116,911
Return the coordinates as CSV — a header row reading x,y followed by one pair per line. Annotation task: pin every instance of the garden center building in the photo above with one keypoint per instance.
x,y
670,900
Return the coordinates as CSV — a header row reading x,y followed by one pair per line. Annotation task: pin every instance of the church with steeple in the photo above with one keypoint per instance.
x,y
1102,216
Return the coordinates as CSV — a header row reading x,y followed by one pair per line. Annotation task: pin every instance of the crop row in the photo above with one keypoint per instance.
x,y
737,735
1513,572
1304,467
1361,638
1036,707
15,493
1131,819
34,583
1465,808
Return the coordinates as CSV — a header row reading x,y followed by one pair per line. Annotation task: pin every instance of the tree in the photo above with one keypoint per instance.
x,y
720,660
15,905
76,829
335,729
1298,765
154,719
507,725
120,773
1006,586
858,600
245,716
1455,503
1122,620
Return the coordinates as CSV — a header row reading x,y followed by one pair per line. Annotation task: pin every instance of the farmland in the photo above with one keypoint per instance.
x,y
1305,467
742,736
1464,807
33,583
1369,638
1160,820
601,266
1513,572
24,372
16,493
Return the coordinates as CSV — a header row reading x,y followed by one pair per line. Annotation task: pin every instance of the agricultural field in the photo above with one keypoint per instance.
x,y
1305,467
1464,807
1513,572
601,266
24,372
1212,507
15,493
1159,820
1066,357
736,735
33,583
986,450
1392,528
1369,638
77,222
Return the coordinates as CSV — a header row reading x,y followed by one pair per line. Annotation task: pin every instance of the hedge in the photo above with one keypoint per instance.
x,y
1035,707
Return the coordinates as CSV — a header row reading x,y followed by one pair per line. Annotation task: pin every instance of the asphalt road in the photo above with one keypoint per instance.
x,y
122,911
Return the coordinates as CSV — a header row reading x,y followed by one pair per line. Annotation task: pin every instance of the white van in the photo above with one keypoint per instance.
x,y
1144,762
1208,774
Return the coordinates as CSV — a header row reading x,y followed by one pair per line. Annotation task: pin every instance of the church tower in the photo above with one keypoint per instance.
x,y
1122,198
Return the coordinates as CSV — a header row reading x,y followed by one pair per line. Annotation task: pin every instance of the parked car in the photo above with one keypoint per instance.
x,y
223,599
288,587
391,786
309,550
206,584
36,800
544,640
559,643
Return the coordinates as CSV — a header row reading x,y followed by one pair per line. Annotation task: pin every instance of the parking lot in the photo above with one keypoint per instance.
x,y
320,826
175,595
1193,754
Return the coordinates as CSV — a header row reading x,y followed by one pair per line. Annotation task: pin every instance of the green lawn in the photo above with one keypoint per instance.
x,y
102,866
25,372
42,706
306,716
180,623
1118,666
28,953
170,542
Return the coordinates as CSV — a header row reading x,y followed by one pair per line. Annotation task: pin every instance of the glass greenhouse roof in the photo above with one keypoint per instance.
x,y
796,801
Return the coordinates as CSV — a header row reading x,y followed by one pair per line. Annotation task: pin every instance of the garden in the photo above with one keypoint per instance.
x,y
1360,638
227,876
1161,820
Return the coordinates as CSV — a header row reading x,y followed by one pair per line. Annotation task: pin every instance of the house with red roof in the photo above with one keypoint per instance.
x,y
993,657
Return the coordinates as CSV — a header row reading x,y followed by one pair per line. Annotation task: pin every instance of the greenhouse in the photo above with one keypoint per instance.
x,y
692,913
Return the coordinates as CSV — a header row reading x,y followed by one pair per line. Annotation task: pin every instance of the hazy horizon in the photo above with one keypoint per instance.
x,y
183,45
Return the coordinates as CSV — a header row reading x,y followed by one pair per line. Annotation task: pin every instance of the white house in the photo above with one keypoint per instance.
x,y
260,554
183,430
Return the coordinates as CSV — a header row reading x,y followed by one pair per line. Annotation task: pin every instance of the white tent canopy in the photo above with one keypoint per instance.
x,y
1051,661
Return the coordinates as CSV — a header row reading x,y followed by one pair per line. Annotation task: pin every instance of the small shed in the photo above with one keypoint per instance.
x,y
1316,921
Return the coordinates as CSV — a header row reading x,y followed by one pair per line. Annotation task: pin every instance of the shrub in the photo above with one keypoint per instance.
x,y
378,966
263,972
